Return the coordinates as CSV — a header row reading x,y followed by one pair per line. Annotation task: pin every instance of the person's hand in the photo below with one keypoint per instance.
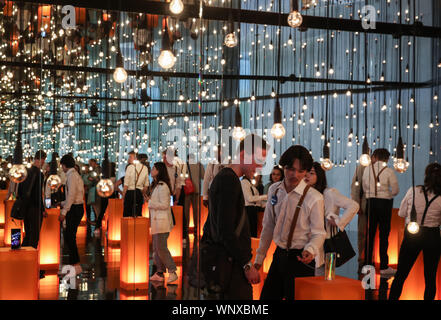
x,y
360,212
123,194
175,203
306,257
257,266
252,275
44,214
61,218
332,222
205,203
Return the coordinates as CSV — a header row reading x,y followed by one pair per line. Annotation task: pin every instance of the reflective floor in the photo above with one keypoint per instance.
x,y
100,279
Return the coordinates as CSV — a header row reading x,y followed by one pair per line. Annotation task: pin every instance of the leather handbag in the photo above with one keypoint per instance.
x,y
340,244
189,187
19,207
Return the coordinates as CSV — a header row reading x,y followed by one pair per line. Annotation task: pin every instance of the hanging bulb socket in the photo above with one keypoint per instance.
x,y
326,162
278,130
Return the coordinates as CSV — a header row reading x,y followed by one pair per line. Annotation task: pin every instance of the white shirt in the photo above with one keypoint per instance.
x,y
212,170
136,171
161,220
334,201
388,187
176,180
433,215
309,233
251,194
74,190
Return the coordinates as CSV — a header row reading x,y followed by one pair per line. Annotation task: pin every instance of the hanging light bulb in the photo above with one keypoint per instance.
x,y
326,162
295,18
382,76
278,130
331,69
166,58
365,159
105,188
176,6
413,226
18,173
400,164
230,40
120,74
238,132
54,181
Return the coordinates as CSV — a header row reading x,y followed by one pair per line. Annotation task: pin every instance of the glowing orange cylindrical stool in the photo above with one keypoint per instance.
x,y
49,243
49,287
269,258
134,268
145,210
131,295
174,242
115,213
257,288
3,194
112,258
395,239
19,274
317,288
11,223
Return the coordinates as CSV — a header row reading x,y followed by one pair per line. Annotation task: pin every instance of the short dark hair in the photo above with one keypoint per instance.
x,y
93,160
68,161
297,152
381,154
132,152
256,141
432,179
142,156
321,183
40,154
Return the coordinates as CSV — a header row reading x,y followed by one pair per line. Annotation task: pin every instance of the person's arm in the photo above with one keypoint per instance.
x,y
266,236
248,195
404,206
69,198
163,202
208,177
318,233
226,191
366,179
350,207
393,182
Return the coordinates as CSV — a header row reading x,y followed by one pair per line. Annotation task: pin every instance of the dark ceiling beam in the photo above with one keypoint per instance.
x,y
291,78
250,16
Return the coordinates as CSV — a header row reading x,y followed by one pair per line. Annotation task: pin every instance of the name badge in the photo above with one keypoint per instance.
x,y
176,175
274,200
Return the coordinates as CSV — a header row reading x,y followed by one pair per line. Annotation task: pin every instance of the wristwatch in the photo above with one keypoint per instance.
x,y
247,266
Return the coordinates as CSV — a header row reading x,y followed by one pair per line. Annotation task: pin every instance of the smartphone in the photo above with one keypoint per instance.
x,y
15,238
47,203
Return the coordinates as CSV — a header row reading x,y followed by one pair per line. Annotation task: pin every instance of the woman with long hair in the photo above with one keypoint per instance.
x,y
275,176
161,222
427,239
334,200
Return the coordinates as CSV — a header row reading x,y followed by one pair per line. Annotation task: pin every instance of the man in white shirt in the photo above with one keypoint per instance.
x,y
174,171
72,209
293,258
380,185
136,183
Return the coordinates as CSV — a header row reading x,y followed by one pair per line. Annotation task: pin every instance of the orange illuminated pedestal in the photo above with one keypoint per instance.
x,y
174,242
257,288
269,258
50,241
49,287
134,269
112,257
317,288
11,223
395,239
19,274
115,214
130,295
204,215
145,210
3,194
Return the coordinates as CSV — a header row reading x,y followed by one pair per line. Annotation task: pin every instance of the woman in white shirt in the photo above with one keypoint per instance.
x,y
334,201
427,239
161,222
253,203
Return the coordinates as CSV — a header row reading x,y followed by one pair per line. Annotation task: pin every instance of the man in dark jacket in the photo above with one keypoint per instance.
x,y
226,203
35,207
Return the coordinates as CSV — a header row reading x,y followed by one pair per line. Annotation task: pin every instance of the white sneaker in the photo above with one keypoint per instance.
x,y
388,272
157,277
172,277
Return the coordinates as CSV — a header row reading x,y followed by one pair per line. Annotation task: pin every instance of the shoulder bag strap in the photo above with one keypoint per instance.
x,y
375,180
428,203
137,175
296,215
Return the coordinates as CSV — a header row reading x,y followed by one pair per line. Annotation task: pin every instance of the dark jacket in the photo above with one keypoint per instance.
x,y
36,196
226,206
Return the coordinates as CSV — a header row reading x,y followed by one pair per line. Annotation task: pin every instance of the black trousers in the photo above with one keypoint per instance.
x,y
88,208
73,219
32,224
252,219
285,267
104,204
380,213
429,241
133,202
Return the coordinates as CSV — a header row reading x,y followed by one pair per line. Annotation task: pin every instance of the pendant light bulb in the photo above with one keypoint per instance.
x,y
105,188
18,173
120,74
176,6
278,130
238,131
166,58
295,18
54,181
231,40
400,164
326,162
365,159
413,227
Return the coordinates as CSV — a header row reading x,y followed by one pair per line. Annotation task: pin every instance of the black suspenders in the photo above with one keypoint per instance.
x,y
428,203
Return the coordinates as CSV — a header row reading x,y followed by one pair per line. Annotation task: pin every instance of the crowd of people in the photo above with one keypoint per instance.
x,y
299,211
